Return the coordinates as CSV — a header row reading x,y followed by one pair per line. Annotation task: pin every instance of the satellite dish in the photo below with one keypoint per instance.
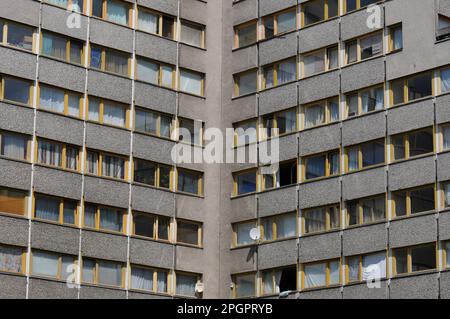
x,y
199,287
255,234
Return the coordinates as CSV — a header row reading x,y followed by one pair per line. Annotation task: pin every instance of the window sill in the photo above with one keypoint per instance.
x,y
49,278
350,118
363,8
49,57
10,215
109,125
362,282
234,98
50,222
39,109
378,222
268,139
155,35
18,49
416,273
105,232
264,191
27,105
63,8
188,245
23,161
278,36
153,187
317,74
416,215
127,26
190,194
367,168
318,179
430,97
278,86
125,77
319,125
153,293
244,47
304,27
12,273
92,285
203,97
112,179
274,241
411,158
319,233
156,86
193,46
161,241
57,168
334,286
374,57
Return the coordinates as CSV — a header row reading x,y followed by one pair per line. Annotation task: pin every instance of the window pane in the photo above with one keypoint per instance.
x,y
398,91
117,12
45,264
67,266
114,114
97,8
94,110
116,63
89,216
335,217
14,146
447,194
334,110
365,3
352,51
144,225
374,266
50,153
191,82
447,253
268,282
373,209
246,133
287,174
188,182
333,8
246,35
162,281
146,121
148,21
96,57
314,115
88,270
165,125
47,209
353,213
286,226
109,273
286,22
144,172
352,105
187,233
243,233
421,142
334,163
314,63
167,76
351,5
111,219
353,162
147,71
353,268
142,279
399,147
167,27
314,11
113,167
397,38
315,275
333,58
191,34
16,90
10,259
20,36
287,71
315,167
54,46
69,212
74,104
246,183
423,258
445,80
419,86
52,99
400,203
164,177
372,153
401,260
422,200
92,163
372,99
245,285
371,46
12,201
287,122
163,227
247,83
334,273
186,285
315,220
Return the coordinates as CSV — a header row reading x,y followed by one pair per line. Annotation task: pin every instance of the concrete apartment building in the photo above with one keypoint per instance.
x,y
90,105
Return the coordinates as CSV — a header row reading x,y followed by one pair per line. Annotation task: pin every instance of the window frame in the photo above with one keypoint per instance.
x,y
3,78
409,249
391,33
358,47
28,145
274,18
184,273
66,101
238,125
159,115
272,275
64,148
274,220
405,85
360,267
199,232
327,154
104,12
161,17
103,59
155,226
408,212
275,67
195,25
360,156
234,292
157,177
274,118
405,136
235,182
98,208
24,200
199,181
96,272
360,100
69,42
327,273
60,270
235,226
327,219
326,16
23,260
237,80
360,210
274,176
202,81
161,65
4,41
62,202
326,60
101,112
155,271
100,155
358,6
241,26
326,104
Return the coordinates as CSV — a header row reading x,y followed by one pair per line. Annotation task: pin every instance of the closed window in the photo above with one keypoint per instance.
x,y
414,201
147,279
192,82
321,274
395,38
364,48
246,83
366,267
151,226
14,145
242,233
364,101
190,182
447,254
105,165
151,173
320,61
446,187
326,164
412,144
52,265
351,5
280,73
365,155
60,101
62,211
279,227
16,35
57,154
104,218
12,259
153,123
15,90
102,272
280,123
445,80
321,112
156,23
185,284
13,201
112,10
319,10
413,259
109,60
321,219
280,23
366,210
192,34
244,285
245,133
190,131
412,88
245,183
62,48
189,233
155,73
74,5
245,34
108,112
275,281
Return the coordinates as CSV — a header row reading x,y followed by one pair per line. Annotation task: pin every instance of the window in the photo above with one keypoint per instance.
x,y
151,174
279,280
245,133
109,60
185,284
60,101
242,233
16,35
244,285
102,272
193,34
156,23
364,48
192,82
367,210
364,155
245,34
416,258
365,101
74,5
57,154
245,182
190,131
446,188
58,210
412,144
447,254
366,267
151,226
443,31
15,90
318,10
445,80
321,219
62,48
12,259
279,227
13,201
395,38
280,73
322,112
322,165
153,123
320,61
106,165
108,112
112,10
410,89
52,265
246,83
280,23
189,233
156,73
190,182
14,145
414,201
280,123
351,5
286,175
321,274
104,218
147,279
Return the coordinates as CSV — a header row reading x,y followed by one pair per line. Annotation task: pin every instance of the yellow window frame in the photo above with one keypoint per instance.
x,y
327,155
327,218
360,210
327,273
409,258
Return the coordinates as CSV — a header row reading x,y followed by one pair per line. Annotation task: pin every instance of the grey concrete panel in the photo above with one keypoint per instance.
x,y
278,48
192,107
151,200
445,285
111,35
244,11
151,253
268,6
16,118
278,201
107,138
319,87
13,287
413,231
364,129
62,74
288,146
15,174
243,208
364,74
361,291
443,167
55,19
156,47
243,259
415,287
193,10
193,58
366,183
319,36
17,63
329,293
190,259
144,147
23,11
14,231
444,225
410,117
365,239
443,109
142,295
191,207
89,292
49,237
50,289
358,23
57,182
156,98
169,6
59,128
241,109
245,59
104,246
276,254
106,192
400,176
319,193
278,98
320,247
320,139
109,86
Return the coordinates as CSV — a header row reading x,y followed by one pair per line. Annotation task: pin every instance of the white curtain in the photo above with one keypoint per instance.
x,y
71,158
142,279
66,262
314,63
315,275
167,76
191,82
186,285
14,146
314,115
268,229
286,226
45,264
277,275
52,99
315,220
352,159
88,270
47,208
117,12
109,273
161,281
334,272
165,126
94,110
147,71
268,76
92,163
287,71
191,34
89,216
148,22
334,110
353,268
374,266
110,219
74,105
10,259
113,167
116,63
243,233
114,114
50,153
286,22
445,78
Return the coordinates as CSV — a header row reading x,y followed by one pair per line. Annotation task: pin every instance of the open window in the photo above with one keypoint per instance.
x,y
275,281
413,259
365,155
412,144
286,175
411,88
364,48
366,210
410,202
